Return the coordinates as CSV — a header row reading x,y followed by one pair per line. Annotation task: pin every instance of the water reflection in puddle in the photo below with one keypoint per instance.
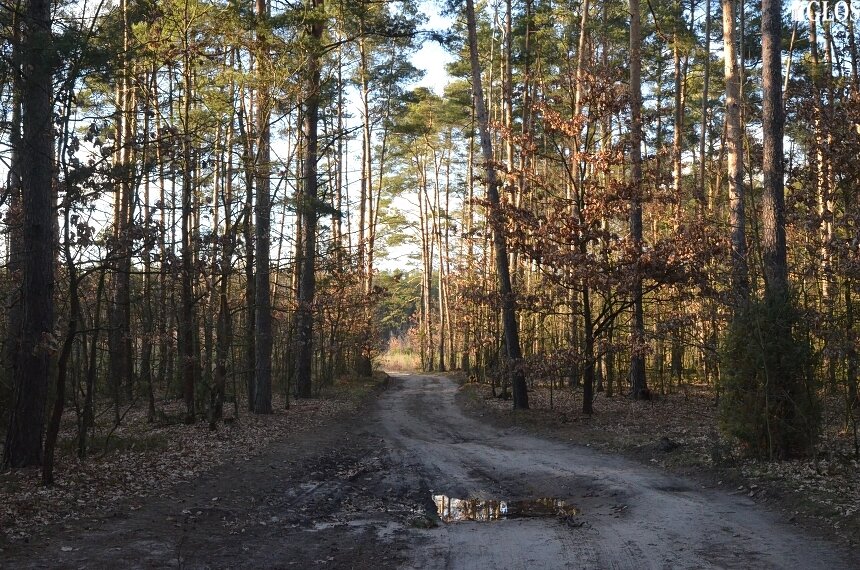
x,y
451,509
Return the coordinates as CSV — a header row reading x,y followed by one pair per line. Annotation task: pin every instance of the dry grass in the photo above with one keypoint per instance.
x,y
401,361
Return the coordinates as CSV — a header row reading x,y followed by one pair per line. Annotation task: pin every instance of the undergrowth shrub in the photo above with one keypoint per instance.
x,y
769,401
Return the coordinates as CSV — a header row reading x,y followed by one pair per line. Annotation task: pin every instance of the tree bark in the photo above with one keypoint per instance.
x,y
509,316
363,361
14,215
773,120
734,159
65,353
248,235
148,310
680,104
262,403
188,320
701,199
119,338
32,364
224,323
307,282
637,361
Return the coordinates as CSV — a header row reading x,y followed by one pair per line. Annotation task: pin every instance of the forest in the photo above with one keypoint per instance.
x,y
233,205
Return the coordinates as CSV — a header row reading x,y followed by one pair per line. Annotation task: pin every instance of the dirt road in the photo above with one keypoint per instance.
x,y
363,493
629,516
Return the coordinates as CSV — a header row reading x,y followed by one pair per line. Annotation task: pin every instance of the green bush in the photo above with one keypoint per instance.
x,y
769,401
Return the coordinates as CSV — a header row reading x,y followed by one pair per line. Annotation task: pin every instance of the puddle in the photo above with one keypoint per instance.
x,y
451,509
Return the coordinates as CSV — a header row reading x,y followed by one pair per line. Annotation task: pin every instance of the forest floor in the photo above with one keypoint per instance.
x,y
422,475
140,459
679,432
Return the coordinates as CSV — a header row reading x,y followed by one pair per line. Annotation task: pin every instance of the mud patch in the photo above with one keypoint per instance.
x,y
451,510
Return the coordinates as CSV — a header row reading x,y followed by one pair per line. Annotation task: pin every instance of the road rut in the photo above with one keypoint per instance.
x,y
629,515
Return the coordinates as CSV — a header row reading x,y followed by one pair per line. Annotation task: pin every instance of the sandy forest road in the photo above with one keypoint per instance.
x,y
354,495
630,516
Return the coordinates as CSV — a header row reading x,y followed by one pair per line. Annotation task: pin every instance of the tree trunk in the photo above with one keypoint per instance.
x,y
852,50
65,353
468,241
32,365
307,283
701,200
188,320
248,235
119,337
588,350
224,326
677,134
148,311
262,403
363,362
509,317
14,216
773,194
637,360
88,415
734,159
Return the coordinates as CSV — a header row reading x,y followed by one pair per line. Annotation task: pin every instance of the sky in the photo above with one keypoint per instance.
x,y
432,57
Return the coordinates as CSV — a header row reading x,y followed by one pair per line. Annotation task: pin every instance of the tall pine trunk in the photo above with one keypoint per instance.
x,y
500,250
701,194
308,207
773,122
734,159
14,217
637,360
32,363
119,337
188,319
262,402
